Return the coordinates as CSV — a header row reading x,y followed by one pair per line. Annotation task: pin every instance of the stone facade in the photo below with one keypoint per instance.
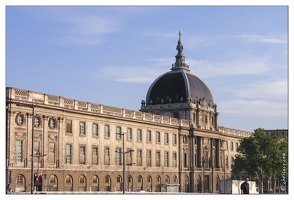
x,y
78,146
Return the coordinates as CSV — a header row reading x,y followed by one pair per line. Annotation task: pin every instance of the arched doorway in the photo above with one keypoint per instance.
x,y
119,184
140,183
149,184
217,184
82,183
107,184
21,184
53,183
199,184
187,185
158,184
95,184
130,184
68,183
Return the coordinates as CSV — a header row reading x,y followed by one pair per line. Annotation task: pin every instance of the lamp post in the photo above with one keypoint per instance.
x,y
32,151
124,162
38,155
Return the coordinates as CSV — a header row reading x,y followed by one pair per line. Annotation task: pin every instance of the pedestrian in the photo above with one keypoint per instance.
x,y
8,189
245,186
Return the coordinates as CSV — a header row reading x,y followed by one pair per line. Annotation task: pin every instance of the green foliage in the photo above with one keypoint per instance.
x,y
262,155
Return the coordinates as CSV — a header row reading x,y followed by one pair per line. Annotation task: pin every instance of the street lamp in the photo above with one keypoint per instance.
x,y
38,155
123,152
32,161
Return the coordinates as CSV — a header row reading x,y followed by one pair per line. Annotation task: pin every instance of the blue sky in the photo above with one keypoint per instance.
x,y
111,55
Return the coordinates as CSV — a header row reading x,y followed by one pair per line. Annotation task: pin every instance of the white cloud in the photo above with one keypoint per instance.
x,y
207,69
254,108
132,74
271,89
263,39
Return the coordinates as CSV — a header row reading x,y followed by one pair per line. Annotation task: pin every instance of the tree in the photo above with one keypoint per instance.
x,y
261,155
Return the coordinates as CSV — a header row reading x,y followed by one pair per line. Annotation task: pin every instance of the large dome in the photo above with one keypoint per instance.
x,y
178,85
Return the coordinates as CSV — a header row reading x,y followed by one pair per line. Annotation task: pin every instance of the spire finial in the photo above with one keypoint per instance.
x,y
180,58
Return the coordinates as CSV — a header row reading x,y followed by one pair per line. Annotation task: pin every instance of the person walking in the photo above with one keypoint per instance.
x,y
8,189
245,186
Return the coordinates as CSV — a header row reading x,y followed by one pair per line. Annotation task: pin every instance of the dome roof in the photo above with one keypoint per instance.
x,y
178,85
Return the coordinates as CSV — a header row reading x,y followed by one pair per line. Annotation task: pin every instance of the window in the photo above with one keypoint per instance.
x,y
174,139
148,157
166,159
18,149
185,160
37,121
237,145
95,130
20,179
205,119
139,159
68,154
95,156
232,146
118,156
221,161
174,159
227,162
166,138
206,164
107,131
82,154
158,137
232,161
185,139
106,156
118,132
51,155
139,178
139,135
68,126
129,156
157,159
19,119
82,128
148,136
52,123
118,179
129,134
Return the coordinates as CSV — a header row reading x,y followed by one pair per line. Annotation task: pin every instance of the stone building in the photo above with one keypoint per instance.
x,y
81,146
